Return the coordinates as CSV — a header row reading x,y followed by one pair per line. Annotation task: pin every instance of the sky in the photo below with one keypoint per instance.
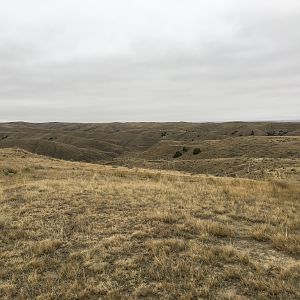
x,y
158,60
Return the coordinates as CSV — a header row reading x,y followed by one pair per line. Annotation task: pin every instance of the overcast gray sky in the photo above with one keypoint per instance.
x,y
149,60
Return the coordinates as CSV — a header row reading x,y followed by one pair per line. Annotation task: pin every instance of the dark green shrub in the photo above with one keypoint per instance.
x,y
196,151
185,149
177,154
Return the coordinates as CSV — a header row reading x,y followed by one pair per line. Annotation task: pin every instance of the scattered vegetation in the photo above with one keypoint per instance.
x,y
277,133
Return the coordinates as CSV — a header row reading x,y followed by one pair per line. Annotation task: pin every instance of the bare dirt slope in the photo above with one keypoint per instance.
x,y
73,230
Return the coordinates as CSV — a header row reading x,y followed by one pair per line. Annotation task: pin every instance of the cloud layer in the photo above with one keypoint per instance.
x,y
138,60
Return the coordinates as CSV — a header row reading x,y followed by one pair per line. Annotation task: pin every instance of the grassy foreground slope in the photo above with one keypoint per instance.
x,y
71,230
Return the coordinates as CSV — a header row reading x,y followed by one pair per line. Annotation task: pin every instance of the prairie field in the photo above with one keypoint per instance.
x,y
75,230
149,150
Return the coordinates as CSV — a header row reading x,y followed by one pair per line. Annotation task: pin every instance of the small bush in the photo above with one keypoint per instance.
x,y
196,151
9,171
177,154
185,149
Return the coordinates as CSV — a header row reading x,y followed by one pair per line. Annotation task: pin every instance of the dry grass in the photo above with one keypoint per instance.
x,y
82,231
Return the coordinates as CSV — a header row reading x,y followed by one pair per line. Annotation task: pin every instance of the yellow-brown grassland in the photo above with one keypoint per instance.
x,y
74,230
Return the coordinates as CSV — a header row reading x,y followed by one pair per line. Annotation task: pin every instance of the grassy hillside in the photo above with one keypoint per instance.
x,y
237,167
73,230
237,149
256,147
249,157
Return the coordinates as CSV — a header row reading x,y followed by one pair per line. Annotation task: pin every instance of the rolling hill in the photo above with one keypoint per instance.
x,y
238,149
75,230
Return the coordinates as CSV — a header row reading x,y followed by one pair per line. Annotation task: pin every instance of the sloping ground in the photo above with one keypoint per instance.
x,y
81,231
59,150
248,157
176,130
242,167
118,137
256,147
154,145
